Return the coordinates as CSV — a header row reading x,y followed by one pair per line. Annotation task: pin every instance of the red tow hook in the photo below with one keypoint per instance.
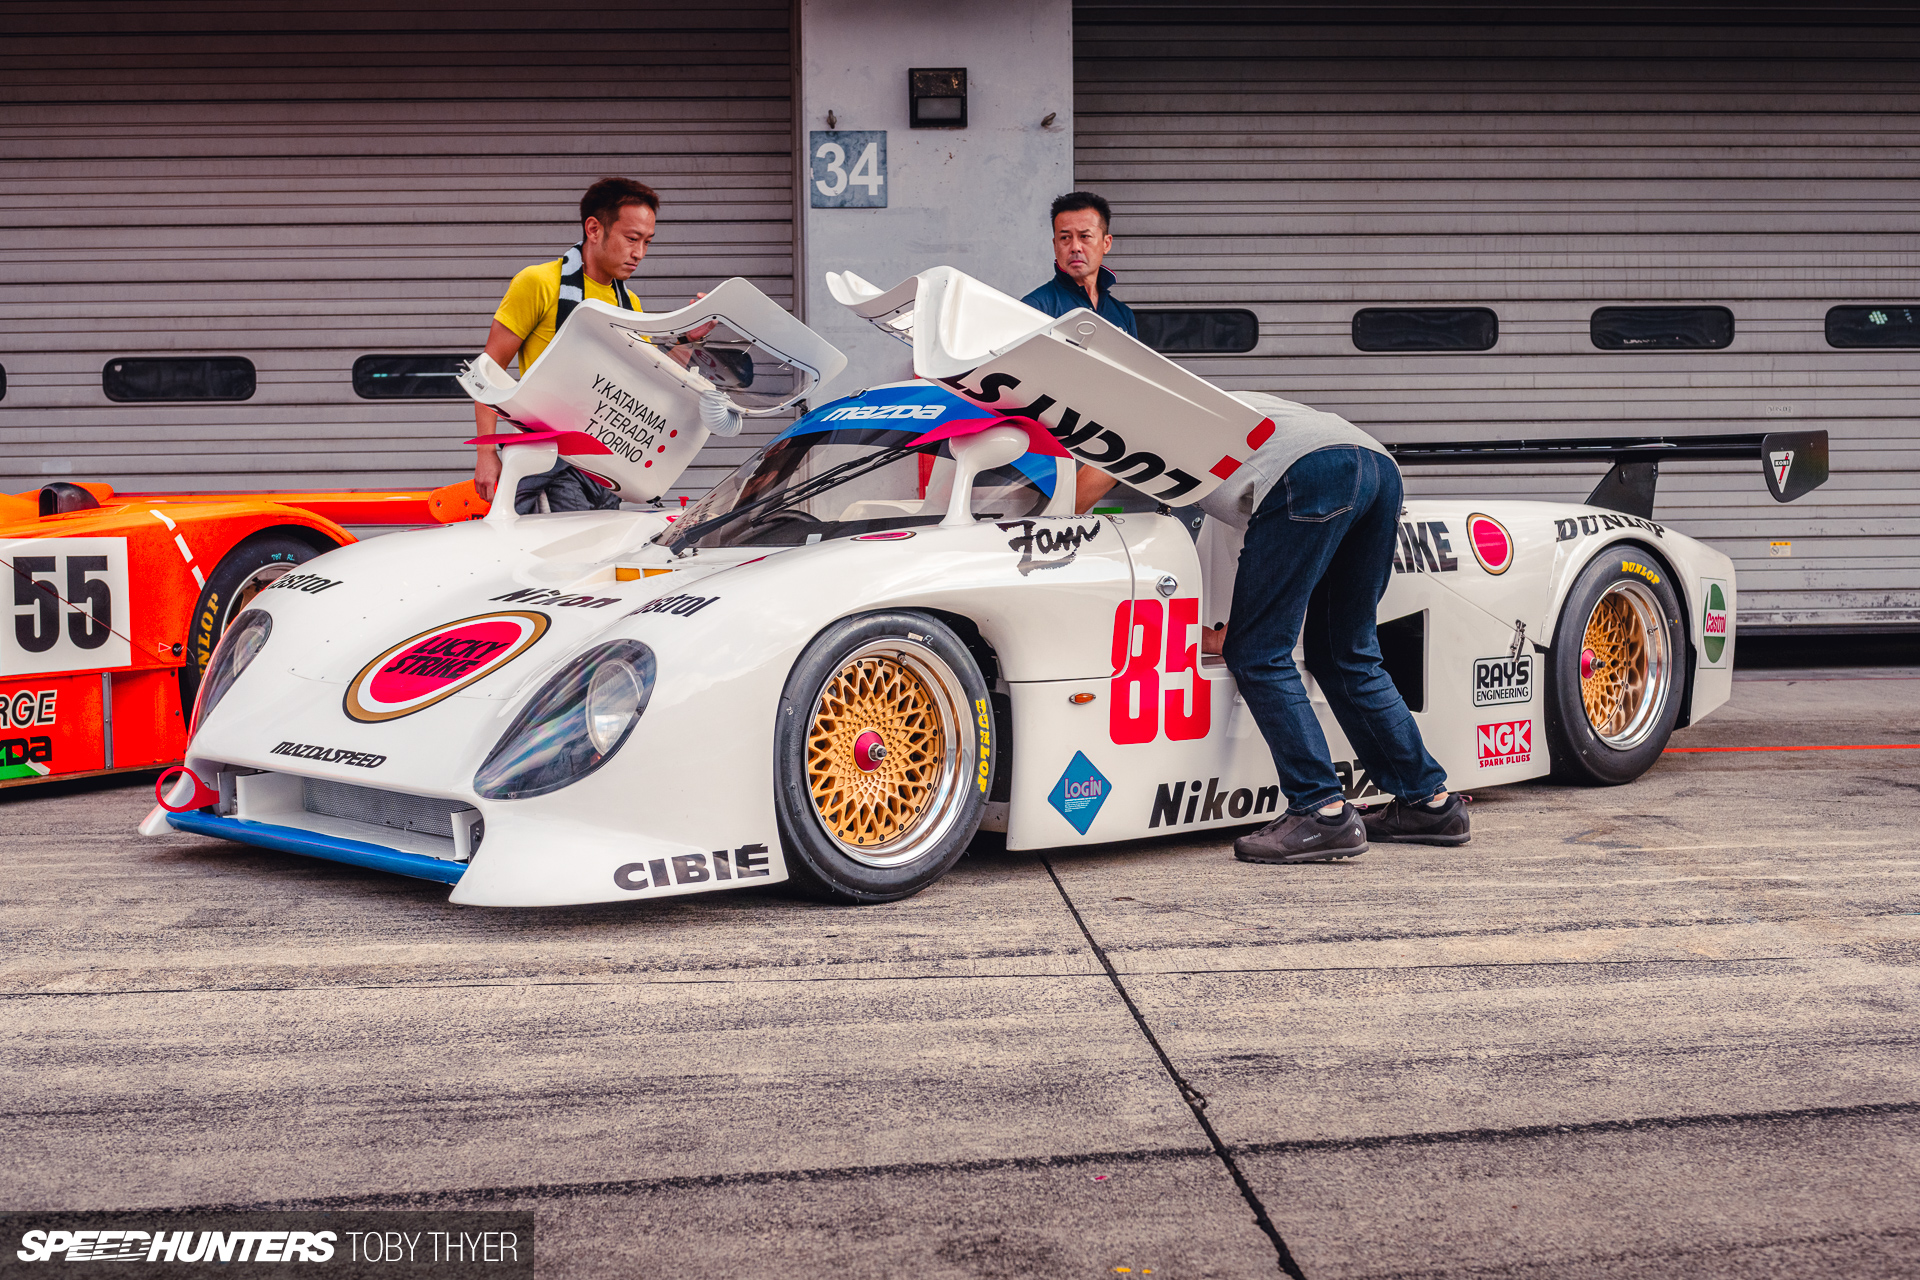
x,y
202,796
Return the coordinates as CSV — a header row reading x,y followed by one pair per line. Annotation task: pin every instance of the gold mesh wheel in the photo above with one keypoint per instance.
x,y
882,753
1624,671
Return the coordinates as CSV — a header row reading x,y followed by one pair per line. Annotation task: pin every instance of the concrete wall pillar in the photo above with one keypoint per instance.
x,y
974,198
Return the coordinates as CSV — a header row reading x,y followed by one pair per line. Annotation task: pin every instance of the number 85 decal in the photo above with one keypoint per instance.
x,y
1137,702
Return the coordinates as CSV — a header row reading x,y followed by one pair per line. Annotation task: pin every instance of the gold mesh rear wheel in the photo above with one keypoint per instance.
x,y
1623,665
874,806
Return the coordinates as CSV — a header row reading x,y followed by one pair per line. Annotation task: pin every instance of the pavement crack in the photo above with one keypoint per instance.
x,y
1195,1100
1533,1132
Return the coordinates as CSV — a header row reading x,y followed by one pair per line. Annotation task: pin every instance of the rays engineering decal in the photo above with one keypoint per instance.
x,y
1502,681
422,670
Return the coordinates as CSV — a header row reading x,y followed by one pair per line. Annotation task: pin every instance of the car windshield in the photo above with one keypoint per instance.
x,y
821,480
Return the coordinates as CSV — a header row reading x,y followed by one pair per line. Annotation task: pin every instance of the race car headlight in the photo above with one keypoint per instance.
x,y
573,725
240,646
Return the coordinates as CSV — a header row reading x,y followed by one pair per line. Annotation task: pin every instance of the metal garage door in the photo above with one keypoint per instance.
x,y
1270,160
302,185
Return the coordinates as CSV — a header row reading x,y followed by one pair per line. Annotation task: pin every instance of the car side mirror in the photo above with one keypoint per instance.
x,y
972,454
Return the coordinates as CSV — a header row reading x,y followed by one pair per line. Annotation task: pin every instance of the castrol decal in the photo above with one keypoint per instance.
x,y
1713,623
1492,544
436,664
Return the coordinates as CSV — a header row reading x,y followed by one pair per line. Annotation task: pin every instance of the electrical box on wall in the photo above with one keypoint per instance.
x,y
937,97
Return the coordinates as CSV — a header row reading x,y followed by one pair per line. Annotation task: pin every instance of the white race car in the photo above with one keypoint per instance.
x,y
889,629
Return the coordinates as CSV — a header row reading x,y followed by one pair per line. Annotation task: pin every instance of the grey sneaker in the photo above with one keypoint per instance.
x,y
1403,823
1305,837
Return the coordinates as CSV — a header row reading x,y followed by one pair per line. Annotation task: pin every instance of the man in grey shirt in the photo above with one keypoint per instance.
x,y
1320,506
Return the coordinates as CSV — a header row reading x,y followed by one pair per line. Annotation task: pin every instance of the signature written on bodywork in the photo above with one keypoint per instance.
x,y
1048,541
624,422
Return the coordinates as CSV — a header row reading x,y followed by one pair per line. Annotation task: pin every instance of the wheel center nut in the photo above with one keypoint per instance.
x,y
869,749
1586,664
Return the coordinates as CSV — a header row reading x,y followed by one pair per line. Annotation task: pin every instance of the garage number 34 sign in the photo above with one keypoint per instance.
x,y
848,168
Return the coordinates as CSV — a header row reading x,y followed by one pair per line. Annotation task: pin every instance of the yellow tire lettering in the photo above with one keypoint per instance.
x,y
986,760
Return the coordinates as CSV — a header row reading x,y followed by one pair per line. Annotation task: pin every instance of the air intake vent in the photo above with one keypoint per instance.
x,y
381,808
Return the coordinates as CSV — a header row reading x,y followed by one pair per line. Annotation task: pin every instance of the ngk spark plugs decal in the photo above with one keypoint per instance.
x,y
1152,647
436,664
70,608
1507,743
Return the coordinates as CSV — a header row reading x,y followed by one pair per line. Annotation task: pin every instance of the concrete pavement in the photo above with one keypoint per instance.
x,y
1659,1030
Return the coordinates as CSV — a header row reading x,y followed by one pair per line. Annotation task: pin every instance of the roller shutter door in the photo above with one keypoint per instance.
x,y
302,185
1258,156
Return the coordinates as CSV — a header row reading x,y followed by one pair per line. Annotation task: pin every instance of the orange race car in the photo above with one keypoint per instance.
x,y
118,599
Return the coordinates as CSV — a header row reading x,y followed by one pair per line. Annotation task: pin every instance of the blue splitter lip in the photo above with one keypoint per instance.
x,y
357,853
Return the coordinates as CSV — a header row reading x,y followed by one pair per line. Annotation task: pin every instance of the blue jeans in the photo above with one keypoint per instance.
x,y
1319,552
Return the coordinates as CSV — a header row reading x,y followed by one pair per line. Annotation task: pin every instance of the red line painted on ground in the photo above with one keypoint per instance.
x,y
1870,746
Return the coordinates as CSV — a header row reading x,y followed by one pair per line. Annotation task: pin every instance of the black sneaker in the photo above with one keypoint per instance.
x,y
1305,837
1403,823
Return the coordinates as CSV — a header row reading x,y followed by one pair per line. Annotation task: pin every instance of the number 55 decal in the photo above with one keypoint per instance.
x,y
68,599
1136,702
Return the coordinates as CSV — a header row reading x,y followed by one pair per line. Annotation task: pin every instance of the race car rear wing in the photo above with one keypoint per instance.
x,y
1793,462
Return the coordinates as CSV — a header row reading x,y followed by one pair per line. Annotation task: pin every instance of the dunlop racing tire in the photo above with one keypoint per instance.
x,y
1617,671
242,574
884,749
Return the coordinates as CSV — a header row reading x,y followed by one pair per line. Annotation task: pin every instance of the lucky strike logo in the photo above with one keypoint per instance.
x,y
1510,742
1105,448
436,664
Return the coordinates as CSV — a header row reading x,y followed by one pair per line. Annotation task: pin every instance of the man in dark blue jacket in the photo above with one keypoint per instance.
x,y
1080,240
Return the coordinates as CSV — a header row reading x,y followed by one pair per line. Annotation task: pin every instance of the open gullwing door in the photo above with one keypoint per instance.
x,y
635,380
1115,403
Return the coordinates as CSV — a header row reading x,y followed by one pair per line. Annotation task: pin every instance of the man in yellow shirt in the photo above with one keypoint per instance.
x,y
617,218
